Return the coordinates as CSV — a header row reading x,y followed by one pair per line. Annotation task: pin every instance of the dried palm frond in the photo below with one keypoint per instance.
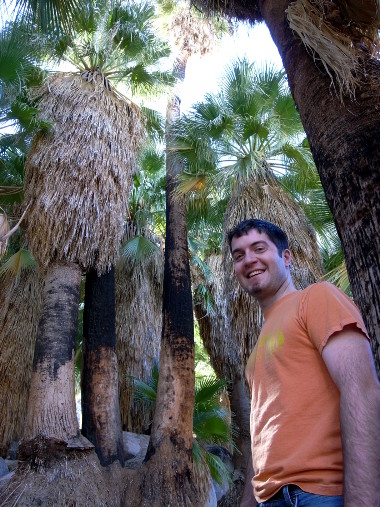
x,y
337,42
138,295
4,228
20,307
191,34
78,175
230,334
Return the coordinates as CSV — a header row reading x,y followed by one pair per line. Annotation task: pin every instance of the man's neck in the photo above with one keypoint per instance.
x,y
267,302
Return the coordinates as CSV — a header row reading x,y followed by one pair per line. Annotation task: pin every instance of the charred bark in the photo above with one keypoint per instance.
x,y
346,151
51,421
168,476
101,422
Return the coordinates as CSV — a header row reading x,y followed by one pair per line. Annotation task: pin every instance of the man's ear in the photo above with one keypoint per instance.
x,y
287,256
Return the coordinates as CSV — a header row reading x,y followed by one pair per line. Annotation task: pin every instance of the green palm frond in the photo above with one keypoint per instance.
x,y
147,391
118,40
26,115
18,262
208,390
138,249
53,15
339,277
218,470
155,125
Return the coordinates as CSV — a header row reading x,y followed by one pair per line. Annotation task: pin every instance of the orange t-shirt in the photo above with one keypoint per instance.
x,y
295,426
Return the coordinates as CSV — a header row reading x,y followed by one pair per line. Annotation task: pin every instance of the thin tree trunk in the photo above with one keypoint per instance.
x,y
51,427
168,477
240,407
346,151
101,422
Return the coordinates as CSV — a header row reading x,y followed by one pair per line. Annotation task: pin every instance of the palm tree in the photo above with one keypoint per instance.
x,y
234,144
168,465
78,176
342,38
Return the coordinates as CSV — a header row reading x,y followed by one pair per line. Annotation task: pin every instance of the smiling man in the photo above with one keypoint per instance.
x,y
315,396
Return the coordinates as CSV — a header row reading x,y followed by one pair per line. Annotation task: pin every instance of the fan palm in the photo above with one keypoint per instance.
x,y
52,15
173,416
78,176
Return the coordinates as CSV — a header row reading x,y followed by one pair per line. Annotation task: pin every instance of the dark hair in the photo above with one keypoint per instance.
x,y
274,233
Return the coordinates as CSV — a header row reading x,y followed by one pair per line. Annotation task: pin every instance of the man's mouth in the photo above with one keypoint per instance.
x,y
256,272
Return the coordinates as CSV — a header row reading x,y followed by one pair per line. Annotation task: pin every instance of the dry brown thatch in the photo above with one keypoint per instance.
x,y
229,335
4,228
20,307
78,175
190,33
138,295
336,37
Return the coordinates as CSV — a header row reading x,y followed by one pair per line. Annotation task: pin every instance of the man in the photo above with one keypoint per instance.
x,y
315,396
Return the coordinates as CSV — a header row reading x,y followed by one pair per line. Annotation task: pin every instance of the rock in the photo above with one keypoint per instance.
x,y
12,464
13,450
3,468
135,445
212,500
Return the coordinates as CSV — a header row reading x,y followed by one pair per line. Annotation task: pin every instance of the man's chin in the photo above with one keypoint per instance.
x,y
254,291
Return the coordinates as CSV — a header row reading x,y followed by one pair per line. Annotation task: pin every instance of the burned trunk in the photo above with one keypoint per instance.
x,y
101,422
51,427
168,476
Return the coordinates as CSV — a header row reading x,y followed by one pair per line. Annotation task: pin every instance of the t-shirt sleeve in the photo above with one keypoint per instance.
x,y
326,310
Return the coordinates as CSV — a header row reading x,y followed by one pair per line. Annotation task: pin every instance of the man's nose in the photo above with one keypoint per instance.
x,y
250,257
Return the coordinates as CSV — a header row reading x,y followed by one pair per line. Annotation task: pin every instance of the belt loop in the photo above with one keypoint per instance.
x,y
288,498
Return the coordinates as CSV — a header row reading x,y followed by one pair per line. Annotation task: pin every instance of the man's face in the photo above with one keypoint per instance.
x,y
260,270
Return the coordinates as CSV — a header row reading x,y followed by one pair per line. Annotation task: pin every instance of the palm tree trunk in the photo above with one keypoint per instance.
x,y
347,155
51,427
101,422
20,307
169,476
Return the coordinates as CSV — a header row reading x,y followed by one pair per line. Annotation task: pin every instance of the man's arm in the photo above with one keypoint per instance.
x,y
248,499
349,360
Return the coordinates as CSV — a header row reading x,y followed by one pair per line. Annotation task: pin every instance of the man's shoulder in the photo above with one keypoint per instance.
x,y
323,288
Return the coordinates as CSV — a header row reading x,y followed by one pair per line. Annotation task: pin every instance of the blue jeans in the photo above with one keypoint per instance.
x,y
293,496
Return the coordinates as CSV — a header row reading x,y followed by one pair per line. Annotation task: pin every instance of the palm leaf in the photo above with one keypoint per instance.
x,y
138,248
218,470
208,389
18,262
50,14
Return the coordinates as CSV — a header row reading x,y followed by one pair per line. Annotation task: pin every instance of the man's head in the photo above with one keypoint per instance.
x,y
274,233
261,260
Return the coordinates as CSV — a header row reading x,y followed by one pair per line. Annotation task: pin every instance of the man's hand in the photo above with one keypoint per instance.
x,y
349,360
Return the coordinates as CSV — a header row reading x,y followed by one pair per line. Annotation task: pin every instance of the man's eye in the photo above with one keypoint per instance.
x,y
238,258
